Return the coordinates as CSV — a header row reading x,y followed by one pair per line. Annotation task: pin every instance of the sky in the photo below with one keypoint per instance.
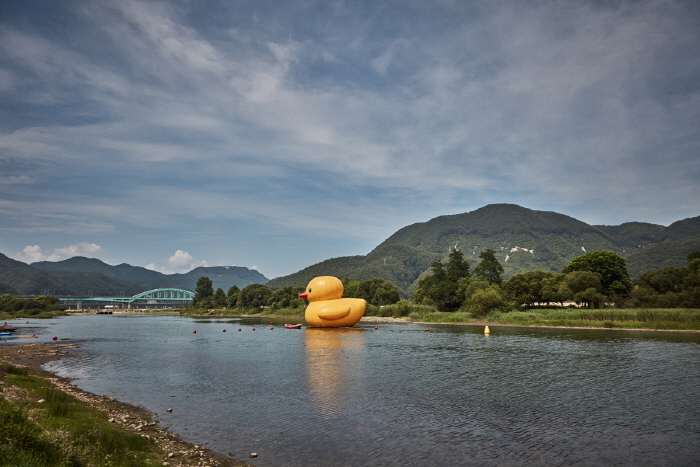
x,y
274,135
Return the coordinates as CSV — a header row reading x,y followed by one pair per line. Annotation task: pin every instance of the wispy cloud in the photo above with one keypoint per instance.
x,y
360,119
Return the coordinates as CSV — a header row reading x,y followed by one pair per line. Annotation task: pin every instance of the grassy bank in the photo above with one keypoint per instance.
x,y
671,319
43,426
239,312
641,318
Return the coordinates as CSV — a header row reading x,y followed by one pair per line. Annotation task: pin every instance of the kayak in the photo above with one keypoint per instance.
x,y
292,326
5,333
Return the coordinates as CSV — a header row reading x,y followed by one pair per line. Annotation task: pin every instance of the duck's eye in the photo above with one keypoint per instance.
x,y
309,289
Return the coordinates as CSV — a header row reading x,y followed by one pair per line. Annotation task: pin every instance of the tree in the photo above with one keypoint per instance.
x,y
255,296
286,297
612,269
551,289
664,280
203,293
456,267
219,298
376,291
440,287
232,296
527,288
582,287
489,269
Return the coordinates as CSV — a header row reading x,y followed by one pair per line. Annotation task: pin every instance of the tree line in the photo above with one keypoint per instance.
x,y
377,292
596,279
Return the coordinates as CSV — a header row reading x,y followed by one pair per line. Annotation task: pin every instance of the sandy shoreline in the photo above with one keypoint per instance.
x,y
132,418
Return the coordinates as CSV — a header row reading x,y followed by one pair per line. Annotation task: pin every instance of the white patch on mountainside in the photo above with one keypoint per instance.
x,y
516,248
584,250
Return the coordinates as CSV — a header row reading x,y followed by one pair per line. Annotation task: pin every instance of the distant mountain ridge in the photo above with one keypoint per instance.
x,y
80,276
524,240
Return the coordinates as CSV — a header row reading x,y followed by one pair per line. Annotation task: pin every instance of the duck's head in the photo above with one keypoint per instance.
x,y
323,288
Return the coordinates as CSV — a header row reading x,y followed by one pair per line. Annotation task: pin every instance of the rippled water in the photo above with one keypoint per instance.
x,y
399,395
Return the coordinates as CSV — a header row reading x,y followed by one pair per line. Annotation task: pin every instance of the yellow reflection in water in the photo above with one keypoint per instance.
x,y
335,367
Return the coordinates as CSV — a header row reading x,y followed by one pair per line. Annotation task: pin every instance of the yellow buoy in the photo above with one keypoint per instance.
x,y
487,331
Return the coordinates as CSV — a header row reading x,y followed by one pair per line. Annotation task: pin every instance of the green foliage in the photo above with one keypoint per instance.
x,y
669,287
203,293
400,309
233,296
440,288
255,296
219,299
489,269
664,280
42,305
377,292
286,298
612,269
530,287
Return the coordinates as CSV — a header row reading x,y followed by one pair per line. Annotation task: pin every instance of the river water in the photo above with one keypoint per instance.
x,y
398,395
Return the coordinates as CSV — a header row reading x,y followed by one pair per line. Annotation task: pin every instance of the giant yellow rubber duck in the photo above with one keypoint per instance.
x,y
327,308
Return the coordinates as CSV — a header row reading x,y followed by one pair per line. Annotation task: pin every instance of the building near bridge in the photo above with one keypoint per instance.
x,y
157,298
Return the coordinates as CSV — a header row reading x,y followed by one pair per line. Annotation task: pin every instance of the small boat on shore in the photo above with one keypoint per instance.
x,y
292,326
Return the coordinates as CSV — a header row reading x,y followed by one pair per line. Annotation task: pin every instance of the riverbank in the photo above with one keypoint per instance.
x,y
29,390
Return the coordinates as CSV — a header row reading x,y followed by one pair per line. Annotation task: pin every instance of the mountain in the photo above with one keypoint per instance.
x,y
80,276
524,240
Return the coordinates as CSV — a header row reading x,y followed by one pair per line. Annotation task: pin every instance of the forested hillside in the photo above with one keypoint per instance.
x,y
81,276
523,239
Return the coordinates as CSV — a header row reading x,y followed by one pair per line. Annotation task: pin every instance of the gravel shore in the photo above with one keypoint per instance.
x,y
135,419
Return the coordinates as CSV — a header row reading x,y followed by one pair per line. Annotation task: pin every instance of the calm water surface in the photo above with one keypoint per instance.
x,y
398,395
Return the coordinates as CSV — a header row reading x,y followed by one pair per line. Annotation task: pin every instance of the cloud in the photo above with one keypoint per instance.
x,y
32,254
342,121
180,262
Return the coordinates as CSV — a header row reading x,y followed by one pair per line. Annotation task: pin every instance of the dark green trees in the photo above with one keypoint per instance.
x,y
612,268
203,293
232,296
255,296
440,288
489,269
219,298
286,297
670,287
378,292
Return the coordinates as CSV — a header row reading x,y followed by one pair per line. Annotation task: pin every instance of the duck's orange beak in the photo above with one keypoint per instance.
x,y
303,295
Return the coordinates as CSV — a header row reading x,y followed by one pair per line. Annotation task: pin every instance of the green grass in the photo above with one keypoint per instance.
x,y
62,431
646,318
670,319
226,312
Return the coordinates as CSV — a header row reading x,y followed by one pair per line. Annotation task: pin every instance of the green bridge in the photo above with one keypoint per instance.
x,y
157,298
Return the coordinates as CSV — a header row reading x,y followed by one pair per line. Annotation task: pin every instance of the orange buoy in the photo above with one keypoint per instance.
x,y
253,329
376,327
224,330
55,338
427,330
239,329
271,328
194,332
